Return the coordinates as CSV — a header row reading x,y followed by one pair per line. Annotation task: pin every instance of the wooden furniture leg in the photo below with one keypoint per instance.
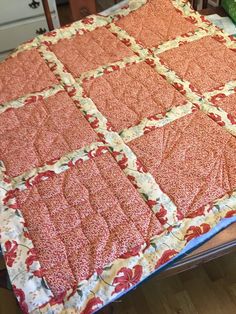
x,y
194,4
48,14
205,3
82,8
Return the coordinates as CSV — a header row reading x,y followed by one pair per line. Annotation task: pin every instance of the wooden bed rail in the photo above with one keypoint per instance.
x,y
81,8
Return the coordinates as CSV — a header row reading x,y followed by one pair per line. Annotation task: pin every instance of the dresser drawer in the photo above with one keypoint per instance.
x,y
16,33
14,10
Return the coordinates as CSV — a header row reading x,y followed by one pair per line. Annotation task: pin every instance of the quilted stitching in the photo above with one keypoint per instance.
x,y
196,63
87,232
26,73
133,93
155,23
41,131
226,103
192,175
81,57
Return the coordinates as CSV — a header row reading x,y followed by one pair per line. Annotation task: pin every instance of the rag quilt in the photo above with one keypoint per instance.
x,y
117,150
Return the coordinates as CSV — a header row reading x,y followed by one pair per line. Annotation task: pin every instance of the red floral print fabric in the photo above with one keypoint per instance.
x,y
87,232
22,75
41,131
196,63
127,96
82,58
156,23
192,175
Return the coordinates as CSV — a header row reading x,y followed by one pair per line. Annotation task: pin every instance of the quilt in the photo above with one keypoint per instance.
x,y
117,152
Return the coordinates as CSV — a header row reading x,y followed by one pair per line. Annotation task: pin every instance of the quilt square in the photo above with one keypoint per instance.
x,y
196,62
81,57
41,131
227,103
127,96
155,23
192,159
89,231
23,74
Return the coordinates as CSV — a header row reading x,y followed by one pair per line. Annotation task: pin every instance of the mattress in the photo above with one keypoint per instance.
x,y
117,152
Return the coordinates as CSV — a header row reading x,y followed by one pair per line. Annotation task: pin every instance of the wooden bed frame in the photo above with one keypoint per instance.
x,y
82,8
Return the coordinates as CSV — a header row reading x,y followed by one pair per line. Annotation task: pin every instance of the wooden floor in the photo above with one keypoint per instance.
x,y
208,289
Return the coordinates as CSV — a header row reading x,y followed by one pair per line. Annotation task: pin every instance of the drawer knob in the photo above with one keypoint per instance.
x,y
40,31
34,4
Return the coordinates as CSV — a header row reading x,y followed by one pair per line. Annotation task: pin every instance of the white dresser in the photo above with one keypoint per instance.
x,y
21,20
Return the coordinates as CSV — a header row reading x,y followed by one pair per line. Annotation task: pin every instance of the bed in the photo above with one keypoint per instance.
x,y
117,152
